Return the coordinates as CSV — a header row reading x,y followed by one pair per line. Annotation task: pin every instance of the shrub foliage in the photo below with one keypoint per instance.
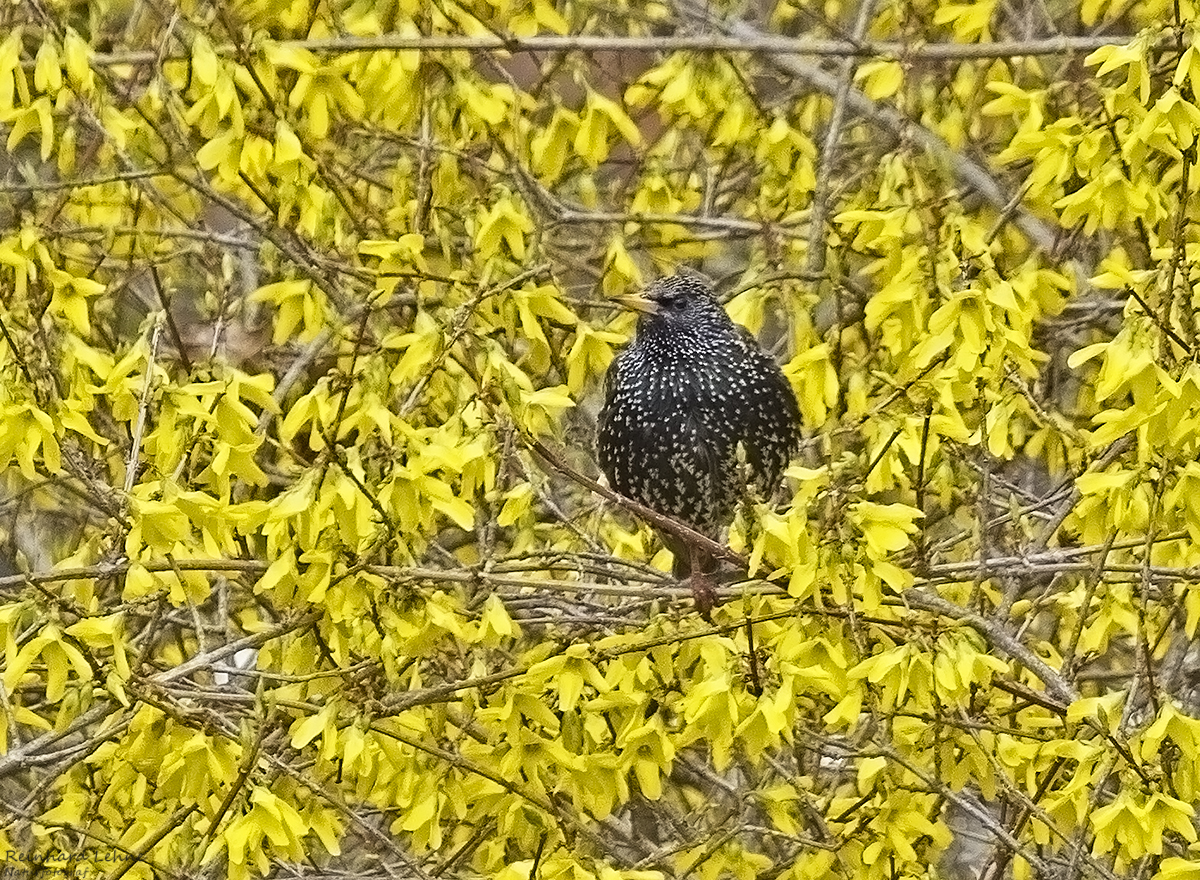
x,y
304,309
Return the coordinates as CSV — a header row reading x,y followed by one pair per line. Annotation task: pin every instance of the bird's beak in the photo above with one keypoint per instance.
x,y
637,303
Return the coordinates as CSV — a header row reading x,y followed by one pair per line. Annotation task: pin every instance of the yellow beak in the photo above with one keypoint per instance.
x,y
637,303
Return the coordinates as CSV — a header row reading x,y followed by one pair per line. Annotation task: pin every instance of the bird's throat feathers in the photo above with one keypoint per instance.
x,y
669,338
683,362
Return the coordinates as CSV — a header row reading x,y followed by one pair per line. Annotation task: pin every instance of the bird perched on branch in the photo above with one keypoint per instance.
x,y
694,412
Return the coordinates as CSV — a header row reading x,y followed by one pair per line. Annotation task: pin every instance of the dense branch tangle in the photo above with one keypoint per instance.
x,y
288,292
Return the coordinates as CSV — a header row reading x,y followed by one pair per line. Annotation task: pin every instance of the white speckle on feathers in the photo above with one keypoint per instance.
x,y
682,398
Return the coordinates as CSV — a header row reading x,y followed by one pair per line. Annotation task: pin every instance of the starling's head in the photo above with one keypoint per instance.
x,y
677,302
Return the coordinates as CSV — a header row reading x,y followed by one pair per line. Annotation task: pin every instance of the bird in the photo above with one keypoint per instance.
x,y
695,412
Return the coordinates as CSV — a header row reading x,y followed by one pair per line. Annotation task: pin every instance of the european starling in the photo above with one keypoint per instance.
x,y
690,400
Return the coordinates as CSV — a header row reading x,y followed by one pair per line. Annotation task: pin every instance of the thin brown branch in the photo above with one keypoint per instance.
x,y
757,44
820,200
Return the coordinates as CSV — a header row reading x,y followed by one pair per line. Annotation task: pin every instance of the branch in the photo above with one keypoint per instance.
x,y
754,43
666,523
977,177
998,637
815,263
135,446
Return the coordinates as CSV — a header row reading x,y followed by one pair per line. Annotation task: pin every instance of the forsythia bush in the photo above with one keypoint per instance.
x,y
304,309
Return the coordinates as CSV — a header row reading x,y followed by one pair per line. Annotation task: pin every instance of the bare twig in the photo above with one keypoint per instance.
x,y
978,178
135,448
758,44
820,198
998,637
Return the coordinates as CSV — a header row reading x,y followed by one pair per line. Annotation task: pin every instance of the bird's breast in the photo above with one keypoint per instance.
x,y
675,417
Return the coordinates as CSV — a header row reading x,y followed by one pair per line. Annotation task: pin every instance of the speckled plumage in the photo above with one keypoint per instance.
x,y
681,398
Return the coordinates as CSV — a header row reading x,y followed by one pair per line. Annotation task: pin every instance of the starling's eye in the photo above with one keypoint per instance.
x,y
675,304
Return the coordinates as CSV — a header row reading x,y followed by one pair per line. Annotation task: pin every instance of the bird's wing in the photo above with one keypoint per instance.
x,y
606,430
715,473
610,377
781,417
